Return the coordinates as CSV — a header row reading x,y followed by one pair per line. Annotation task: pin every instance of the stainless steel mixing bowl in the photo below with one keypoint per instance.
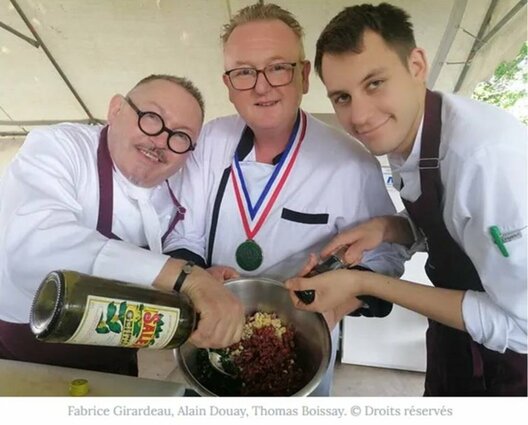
x,y
312,336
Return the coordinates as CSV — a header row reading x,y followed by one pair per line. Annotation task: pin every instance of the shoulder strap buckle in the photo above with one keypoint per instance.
x,y
428,163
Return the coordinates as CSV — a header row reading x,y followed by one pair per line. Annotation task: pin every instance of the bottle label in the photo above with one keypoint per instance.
x,y
115,322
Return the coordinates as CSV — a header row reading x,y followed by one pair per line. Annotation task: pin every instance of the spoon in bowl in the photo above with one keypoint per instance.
x,y
218,362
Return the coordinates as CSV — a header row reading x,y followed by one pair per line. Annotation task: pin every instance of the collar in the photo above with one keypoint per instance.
x,y
247,145
399,164
131,190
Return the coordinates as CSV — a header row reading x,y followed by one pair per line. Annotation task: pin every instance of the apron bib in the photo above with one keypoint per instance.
x,y
456,365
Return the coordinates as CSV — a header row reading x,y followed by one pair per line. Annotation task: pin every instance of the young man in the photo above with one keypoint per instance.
x,y
90,198
268,186
461,169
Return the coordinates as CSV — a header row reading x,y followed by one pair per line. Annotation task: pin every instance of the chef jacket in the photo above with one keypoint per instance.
x,y
334,184
482,158
49,202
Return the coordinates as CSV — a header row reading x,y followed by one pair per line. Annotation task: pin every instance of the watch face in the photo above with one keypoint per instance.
x,y
187,268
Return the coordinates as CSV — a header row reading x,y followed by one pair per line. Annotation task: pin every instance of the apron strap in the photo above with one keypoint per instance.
x,y
106,187
105,168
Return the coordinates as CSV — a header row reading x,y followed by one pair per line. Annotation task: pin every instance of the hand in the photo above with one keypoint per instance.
x,y
359,239
331,289
334,315
308,265
221,313
223,273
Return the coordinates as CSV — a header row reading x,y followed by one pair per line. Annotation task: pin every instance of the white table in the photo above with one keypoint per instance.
x,y
32,379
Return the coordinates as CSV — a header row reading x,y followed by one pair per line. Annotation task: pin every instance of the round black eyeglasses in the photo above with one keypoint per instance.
x,y
152,124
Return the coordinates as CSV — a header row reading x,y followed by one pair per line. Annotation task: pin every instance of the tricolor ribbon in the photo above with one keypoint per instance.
x,y
253,217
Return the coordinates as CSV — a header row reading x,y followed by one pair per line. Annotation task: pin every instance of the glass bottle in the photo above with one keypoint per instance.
x,y
76,308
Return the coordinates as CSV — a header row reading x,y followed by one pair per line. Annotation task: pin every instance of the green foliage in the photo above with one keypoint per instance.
x,y
110,311
101,326
122,311
507,88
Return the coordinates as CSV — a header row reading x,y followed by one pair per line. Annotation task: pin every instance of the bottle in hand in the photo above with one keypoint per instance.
x,y
76,308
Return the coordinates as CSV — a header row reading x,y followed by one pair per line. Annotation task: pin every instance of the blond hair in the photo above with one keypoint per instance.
x,y
264,12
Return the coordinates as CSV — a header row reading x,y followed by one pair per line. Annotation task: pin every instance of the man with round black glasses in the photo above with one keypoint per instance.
x,y
152,124
100,200
272,184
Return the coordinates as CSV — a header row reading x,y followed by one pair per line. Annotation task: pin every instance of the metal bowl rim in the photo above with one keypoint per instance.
x,y
196,385
255,279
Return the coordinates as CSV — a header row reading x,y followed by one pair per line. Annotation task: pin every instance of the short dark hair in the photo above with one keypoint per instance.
x,y
184,83
344,33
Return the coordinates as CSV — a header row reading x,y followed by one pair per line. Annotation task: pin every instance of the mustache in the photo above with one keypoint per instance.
x,y
155,151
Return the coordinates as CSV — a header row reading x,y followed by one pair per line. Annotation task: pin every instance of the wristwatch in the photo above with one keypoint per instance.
x,y
186,270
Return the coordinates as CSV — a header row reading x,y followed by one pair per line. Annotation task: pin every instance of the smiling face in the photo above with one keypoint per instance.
x,y
146,161
258,44
377,99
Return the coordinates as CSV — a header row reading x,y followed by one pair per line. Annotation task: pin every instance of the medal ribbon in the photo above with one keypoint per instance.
x,y
286,164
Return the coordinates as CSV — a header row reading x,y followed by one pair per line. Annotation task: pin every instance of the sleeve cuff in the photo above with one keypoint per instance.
x,y
122,261
185,254
492,334
419,244
372,306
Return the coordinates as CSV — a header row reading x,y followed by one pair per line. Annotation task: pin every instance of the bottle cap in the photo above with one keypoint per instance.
x,y
79,387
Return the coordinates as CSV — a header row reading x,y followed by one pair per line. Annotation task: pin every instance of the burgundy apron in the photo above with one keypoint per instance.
x,y
17,342
456,365
106,193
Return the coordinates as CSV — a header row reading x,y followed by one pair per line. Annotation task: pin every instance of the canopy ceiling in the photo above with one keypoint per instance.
x,y
103,47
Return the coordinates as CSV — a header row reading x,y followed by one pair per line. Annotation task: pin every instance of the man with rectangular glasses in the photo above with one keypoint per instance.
x,y
276,74
99,200
268,186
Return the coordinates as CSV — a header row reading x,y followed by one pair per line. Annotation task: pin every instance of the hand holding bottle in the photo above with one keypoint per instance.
x,y
77,308
221,312
223,273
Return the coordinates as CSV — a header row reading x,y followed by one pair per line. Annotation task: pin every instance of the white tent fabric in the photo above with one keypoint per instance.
x,y
104,46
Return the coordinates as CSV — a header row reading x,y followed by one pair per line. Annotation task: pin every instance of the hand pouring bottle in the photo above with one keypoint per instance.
x,y
76,308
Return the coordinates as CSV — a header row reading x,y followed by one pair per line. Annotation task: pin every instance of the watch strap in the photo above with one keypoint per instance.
x,y
186,270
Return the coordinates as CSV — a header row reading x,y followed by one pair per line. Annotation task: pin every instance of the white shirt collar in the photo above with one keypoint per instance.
x,y
399,164
408,169
133,191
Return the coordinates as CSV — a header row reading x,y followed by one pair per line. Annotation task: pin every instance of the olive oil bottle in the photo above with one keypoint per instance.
x,y
76,308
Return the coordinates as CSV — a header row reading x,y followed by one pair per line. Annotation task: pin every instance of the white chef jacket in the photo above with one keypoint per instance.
x,y
483,168
333,175
49,202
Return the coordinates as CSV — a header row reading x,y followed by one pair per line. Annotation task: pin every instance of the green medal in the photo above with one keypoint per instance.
x,y
249,255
